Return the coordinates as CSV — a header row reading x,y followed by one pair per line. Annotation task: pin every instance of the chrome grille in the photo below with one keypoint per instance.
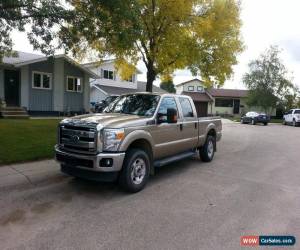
x,y
78,138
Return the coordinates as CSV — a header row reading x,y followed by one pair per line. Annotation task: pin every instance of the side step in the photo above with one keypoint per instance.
x,y
178,157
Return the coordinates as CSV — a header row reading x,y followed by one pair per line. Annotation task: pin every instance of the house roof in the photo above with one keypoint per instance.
x,y
198,96
24,58
228,92
141,87
195,79
21,57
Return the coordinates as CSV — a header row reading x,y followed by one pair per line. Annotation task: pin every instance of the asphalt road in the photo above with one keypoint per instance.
x,y
251,188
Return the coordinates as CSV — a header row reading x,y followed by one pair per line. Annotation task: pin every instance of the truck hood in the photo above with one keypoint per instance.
x,y
108,120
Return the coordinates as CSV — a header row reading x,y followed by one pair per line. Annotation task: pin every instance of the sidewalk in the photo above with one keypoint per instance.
x,y
29,174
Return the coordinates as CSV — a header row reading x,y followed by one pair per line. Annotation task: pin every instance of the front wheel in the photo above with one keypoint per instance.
x,y
135,171
207,151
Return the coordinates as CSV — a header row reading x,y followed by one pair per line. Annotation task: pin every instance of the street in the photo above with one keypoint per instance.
x,y
250,188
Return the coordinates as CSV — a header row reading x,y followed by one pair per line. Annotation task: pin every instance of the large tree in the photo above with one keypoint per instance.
x,y
268,81
39,16
201,35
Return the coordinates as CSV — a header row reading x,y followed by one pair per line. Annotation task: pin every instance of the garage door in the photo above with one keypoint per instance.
x,y
201,108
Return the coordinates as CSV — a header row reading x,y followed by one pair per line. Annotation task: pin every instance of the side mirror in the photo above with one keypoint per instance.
x,y
171,115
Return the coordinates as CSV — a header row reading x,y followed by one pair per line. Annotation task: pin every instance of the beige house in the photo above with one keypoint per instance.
x,y
215,101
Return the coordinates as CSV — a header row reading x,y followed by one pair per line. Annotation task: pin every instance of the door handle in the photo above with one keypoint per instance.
x,y
181,126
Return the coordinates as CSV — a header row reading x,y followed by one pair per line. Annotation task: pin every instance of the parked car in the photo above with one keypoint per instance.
x,y
254,117
136,134
100,106
292,117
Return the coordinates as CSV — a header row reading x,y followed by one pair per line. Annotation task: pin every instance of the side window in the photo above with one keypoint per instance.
x,y
297,111
166,103
190,88
186,107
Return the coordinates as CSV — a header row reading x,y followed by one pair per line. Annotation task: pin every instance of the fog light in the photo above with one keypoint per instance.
x,y
106,162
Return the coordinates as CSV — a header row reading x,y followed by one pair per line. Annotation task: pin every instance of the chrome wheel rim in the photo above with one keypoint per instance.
x,y
210,149
138,171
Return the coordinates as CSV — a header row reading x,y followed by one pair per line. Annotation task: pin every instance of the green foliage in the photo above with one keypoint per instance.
x,y
268,81
168,86
27,140
41,15
202,35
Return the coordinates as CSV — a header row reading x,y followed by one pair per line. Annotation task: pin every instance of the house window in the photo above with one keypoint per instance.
x,y
190,88
199,88
224,103
108,74
74,84
41,80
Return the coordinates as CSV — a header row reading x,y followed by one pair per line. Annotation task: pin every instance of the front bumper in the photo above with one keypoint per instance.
x,y
90,162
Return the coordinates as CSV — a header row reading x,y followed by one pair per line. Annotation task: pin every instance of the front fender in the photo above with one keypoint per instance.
x,y
136,135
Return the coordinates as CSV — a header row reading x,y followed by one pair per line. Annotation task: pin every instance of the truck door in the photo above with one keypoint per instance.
x,y
189,124
166,136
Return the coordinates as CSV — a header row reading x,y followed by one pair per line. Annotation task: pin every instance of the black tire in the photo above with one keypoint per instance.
x,y
253,122
294,123
125,179
265,123
204,152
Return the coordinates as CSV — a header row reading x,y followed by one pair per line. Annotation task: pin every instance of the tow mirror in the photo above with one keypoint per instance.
x,y
171,115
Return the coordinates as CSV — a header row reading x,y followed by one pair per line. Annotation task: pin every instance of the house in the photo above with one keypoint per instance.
x,y
215,101
45,84
110,83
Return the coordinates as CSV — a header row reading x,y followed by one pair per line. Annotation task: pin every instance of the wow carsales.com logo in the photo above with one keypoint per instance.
x,y
253,240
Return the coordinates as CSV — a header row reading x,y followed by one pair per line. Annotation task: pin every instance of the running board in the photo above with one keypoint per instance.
x,y
178,157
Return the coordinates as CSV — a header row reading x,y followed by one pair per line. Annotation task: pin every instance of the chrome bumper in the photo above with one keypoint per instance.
x,y
94,160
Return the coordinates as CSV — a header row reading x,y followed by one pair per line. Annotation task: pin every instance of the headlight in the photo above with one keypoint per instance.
x,y
112,139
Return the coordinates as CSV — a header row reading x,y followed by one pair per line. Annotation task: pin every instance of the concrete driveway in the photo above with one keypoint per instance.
x,y
251,188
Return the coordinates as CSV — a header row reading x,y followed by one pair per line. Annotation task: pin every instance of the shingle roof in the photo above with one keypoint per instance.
x,y
228,92
198,97
141,87
21,57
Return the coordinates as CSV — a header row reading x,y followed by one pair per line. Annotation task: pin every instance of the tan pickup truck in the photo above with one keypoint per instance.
x,y
135,134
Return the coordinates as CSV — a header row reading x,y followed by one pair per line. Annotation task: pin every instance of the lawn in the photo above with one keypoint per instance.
x,y
27,140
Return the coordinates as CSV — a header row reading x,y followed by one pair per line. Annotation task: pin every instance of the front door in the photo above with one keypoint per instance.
x,y
236,106
12,87
201,108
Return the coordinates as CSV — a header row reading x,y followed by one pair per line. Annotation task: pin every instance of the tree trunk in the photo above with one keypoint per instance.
x,y
151,75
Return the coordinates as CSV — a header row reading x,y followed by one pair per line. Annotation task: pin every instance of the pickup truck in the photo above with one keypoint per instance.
x,y
136,134
292,117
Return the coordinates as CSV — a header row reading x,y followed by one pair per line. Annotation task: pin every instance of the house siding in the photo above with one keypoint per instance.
x,y
41,99
73,101
58,85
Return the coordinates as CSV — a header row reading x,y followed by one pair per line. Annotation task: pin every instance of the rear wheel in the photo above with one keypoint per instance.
x,y
265,123
207,151
135,171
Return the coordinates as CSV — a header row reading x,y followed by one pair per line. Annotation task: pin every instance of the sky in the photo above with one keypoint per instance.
x,y
265,23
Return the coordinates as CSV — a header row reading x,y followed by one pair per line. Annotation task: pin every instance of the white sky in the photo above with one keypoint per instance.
x,y
265,23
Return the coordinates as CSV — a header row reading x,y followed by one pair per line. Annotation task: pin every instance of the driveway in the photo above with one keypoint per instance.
x,y
251,188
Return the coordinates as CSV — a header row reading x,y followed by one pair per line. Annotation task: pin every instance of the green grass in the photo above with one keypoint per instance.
x,y
276,121
27,140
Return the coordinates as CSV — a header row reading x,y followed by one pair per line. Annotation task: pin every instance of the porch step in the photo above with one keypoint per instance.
x,y
14,113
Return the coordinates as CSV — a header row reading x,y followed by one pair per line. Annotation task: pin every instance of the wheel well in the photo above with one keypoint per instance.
x,y
144,145
212,132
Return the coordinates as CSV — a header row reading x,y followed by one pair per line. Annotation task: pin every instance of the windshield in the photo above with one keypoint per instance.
x,y
135,104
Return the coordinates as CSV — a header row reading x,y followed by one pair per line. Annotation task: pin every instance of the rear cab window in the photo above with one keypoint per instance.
x,y
186,107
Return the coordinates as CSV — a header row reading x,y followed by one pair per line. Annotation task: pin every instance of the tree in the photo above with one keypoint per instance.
x,y
268,81
41,15
168,86
201,35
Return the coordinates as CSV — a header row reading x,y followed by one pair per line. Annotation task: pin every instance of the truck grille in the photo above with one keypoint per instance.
x,y
78,138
